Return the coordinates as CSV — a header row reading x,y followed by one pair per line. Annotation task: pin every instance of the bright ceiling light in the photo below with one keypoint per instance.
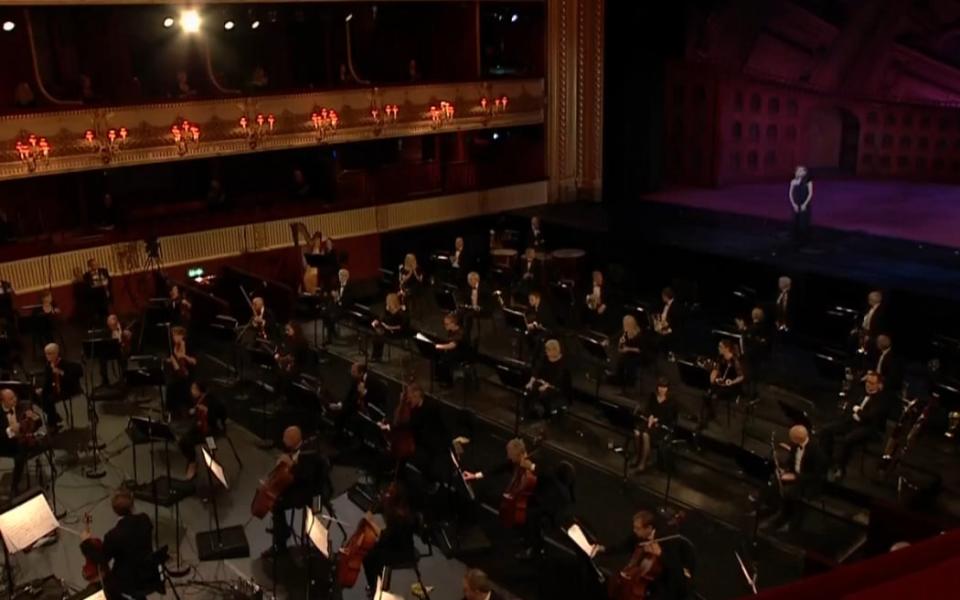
x,y
228,25
9,26
168,23
190,21
514,17
349,18
255,25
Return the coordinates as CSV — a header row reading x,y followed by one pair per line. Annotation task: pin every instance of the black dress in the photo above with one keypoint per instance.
x,y
628,362
391,320
448,359
557,375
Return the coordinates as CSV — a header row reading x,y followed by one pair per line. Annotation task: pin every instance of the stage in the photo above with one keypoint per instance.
x,y
926,213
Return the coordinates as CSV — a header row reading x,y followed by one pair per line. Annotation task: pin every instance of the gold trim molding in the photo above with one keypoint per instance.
x,y
61,269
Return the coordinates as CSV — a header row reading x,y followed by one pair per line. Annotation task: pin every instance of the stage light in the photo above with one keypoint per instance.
x,y
190,21
9,26
514,18
255,25
168,23
349,18
496,136
229,25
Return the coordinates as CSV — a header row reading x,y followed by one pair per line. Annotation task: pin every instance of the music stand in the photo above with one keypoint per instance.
x,y
446,298
27,519
693,374
517,321
220,543
796,416
146,370
598,352
722,334
428,349
514,374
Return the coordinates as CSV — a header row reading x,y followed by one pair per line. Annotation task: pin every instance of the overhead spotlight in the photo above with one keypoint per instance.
x,y
496,136
514,18
190,21
255,25
349,18
168,23
228,25
9,26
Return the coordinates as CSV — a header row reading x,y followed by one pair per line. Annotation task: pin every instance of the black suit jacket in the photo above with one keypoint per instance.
x,y
891,369
785,316
484,298
879,323
534,268
69,381
542,315
376,395
874,415
813,464
130,546
88,280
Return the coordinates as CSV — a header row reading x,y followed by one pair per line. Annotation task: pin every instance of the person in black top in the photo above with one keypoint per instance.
x,y
888,365
477,586
865,419
873,323
549,383
293,353
460,259
61,381
180,307
364,391
540,321
655,425
180,373
629,353
208,419
529,273
20,416
410,279
393,324
452,351
46,321
262,322
420,418
97,283
670,582
801,201
395,544
726,379
535,237
308,480
667,321
801,476
552,507
756,345
126,557
596,302
339,298
785,306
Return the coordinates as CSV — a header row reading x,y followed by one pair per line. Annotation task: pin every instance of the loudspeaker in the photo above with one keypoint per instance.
x,y
229,542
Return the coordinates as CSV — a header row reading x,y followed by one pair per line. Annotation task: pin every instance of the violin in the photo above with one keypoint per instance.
x,y
634,581
269,490
29,433
513,503
92,549
201,413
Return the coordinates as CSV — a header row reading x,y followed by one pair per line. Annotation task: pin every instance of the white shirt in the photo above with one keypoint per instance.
x,y
117,333
474,296
880,361
456,258
665,311
782,299
867,318
596,293
11,422
798,457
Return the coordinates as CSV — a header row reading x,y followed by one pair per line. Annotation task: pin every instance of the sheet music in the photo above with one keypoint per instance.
x,y
463,476
317,533
380,594
422,338
98,595
23,525
215,468
579,538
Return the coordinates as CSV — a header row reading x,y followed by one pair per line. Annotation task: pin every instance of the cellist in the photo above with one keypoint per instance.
x,y
306,469
653,572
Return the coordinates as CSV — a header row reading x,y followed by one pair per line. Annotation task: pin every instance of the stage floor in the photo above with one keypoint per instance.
x,y
920,212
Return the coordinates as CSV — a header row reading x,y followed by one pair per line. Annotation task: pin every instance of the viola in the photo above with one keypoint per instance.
x,y
354,551
513,503
634,581
270,489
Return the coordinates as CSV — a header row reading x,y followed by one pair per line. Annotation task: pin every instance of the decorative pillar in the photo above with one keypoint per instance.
x,y
575,31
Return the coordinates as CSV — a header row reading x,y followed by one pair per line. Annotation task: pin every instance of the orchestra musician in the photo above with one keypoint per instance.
x,y
801,476
655,425
261,318
726,379
180,307
293,352
308,478
410,279
364,390
46,321
452,351
182,365
785,306
318,278
393,323
460,259
208,419
394,544
61,381
477,586
417,420
855,427
535,237
666,321
550,382
756,344
596,301
887,364
97,284
125,556
874,321
530,273
24,426
539,321
338,298
123,338
629,353
655,571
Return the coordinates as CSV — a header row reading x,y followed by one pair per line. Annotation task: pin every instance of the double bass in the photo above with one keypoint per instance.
x,y
634,581
513,503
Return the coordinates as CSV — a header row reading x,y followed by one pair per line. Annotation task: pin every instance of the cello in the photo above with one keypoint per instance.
x,y
271,488
364,538
513,503
634,581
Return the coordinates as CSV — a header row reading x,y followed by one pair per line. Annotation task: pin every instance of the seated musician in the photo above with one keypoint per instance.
x,y
595,304
306,468
874,321
452,351
864,420
785,307
517,464
123,338
419,417
888,365
459,259
61,381
338,298
550,382
756,344
539,320
261,318
364,390
529,273
629,353
801,476
535,237
181,368
46,321
23,423
658,566
96,281
395,544
125,557
293,352
410,279
726,379
666,321
394,323
208,419
477,586
180,307
655,425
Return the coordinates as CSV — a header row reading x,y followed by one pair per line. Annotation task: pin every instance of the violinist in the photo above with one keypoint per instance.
x,y
629,353
395,543
23,426
595,304
549,383
126,554
539,320
261,318
209,417
452,351
655,571
655,425
393,324
305,467
293,353
182,365
338,298
123,338
365,390
97,283
801,476
726,379
61,381
46,321
180,307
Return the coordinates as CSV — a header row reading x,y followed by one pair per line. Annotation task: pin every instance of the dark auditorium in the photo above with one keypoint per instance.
x,y
480,299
